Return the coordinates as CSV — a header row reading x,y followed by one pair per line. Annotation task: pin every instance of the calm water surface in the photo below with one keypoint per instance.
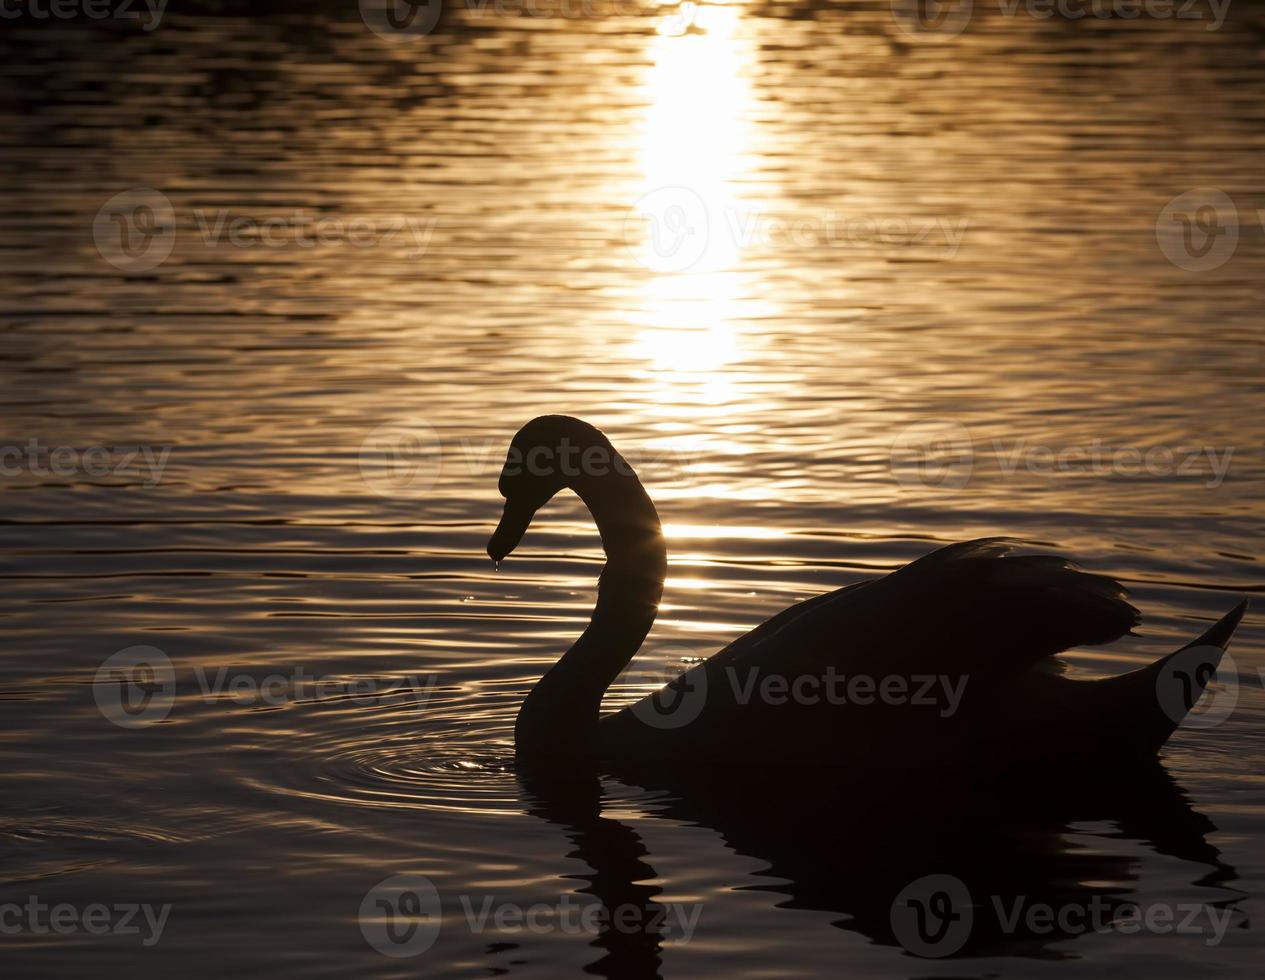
x,y
953,234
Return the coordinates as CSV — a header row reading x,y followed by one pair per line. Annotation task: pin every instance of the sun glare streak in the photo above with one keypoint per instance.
x,y
710,532
695,151
696,131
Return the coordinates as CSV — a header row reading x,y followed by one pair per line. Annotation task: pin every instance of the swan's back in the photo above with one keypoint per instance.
x,y
955,636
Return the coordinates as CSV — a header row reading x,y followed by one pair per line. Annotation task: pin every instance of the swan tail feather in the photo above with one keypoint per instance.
x,y
1162,694
1220,632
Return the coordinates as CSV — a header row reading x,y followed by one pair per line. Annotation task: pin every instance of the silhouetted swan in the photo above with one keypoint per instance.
x,y
942,663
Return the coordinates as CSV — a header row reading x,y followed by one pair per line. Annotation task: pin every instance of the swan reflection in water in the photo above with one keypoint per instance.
x,y
854,849
921,830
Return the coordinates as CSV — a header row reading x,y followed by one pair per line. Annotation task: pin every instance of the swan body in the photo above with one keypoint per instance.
x,y
944,663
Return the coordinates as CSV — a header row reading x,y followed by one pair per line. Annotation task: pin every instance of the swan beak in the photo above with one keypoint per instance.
x,y
514,523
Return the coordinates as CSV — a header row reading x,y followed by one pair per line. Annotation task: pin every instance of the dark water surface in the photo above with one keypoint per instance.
x,y
956,234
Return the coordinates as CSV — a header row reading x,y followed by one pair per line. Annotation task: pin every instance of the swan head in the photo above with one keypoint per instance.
x,y
547,455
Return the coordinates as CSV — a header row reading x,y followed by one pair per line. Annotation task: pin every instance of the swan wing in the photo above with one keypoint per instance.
x,y
969,608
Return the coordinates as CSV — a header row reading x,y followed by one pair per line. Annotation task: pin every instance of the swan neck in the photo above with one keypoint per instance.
x,y
628,523
560,715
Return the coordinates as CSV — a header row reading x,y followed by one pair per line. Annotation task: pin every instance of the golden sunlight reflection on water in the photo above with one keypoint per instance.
x,y
694,143
590,197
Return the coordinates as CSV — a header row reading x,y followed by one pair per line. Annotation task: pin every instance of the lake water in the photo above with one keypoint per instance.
x,y
775,251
